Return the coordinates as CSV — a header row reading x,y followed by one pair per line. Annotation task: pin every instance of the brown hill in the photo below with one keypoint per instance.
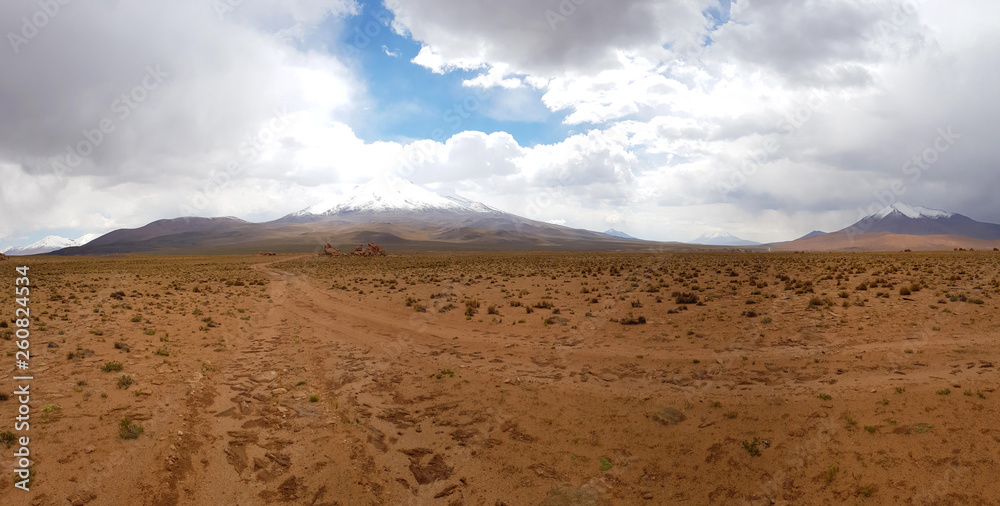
x,y
884,241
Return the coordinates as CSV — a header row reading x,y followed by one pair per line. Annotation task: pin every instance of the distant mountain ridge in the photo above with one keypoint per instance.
x,y
721,238
49,243
618,233
391,211
900,225
900,218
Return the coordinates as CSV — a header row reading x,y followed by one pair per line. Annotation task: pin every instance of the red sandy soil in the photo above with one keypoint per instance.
x,y
357,381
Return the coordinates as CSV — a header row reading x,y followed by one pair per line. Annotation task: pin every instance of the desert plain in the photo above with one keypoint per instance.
x,y
508,379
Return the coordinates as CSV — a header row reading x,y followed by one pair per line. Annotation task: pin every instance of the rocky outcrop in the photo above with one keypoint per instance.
x,y
373,250
329,250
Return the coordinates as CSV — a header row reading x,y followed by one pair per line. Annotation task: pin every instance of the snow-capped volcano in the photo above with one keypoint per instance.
x,y
912,212
900,218
722,238
392,195
49,243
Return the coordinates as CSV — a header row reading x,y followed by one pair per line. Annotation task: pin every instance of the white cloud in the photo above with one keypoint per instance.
x,y
845,92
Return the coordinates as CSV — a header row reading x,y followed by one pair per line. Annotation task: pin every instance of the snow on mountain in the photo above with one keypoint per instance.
x,y
617,233
49,243
393,194
914,212
721,238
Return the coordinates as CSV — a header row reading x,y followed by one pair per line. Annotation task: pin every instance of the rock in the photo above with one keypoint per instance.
x,y
266,377
261,396
90,449
81,498
669,416
565,495
608,377
279,391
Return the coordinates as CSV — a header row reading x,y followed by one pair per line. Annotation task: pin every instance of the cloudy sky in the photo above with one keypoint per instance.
x,y
661,118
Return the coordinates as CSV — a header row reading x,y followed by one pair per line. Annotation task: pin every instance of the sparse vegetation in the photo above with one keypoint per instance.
x,y
113,366
129,430
830,474
125,381
753,446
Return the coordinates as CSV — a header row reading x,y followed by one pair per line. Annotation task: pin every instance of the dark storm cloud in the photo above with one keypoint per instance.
x,y
550,37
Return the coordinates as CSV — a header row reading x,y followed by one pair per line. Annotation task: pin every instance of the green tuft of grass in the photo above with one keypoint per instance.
x,y
605,463
752,447
830,474
943,391
825,397
129,430
313,398
849,420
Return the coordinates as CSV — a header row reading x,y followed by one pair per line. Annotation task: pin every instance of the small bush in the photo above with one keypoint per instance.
x,y
7,438
685,298
471,307
125,381
113,366
129,430
752,447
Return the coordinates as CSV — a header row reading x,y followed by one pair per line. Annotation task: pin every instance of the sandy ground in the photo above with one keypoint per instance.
x,y
577,379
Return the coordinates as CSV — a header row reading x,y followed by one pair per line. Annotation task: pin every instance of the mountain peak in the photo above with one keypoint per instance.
x,y
393,194
49,243
912,212
617,233
722,238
